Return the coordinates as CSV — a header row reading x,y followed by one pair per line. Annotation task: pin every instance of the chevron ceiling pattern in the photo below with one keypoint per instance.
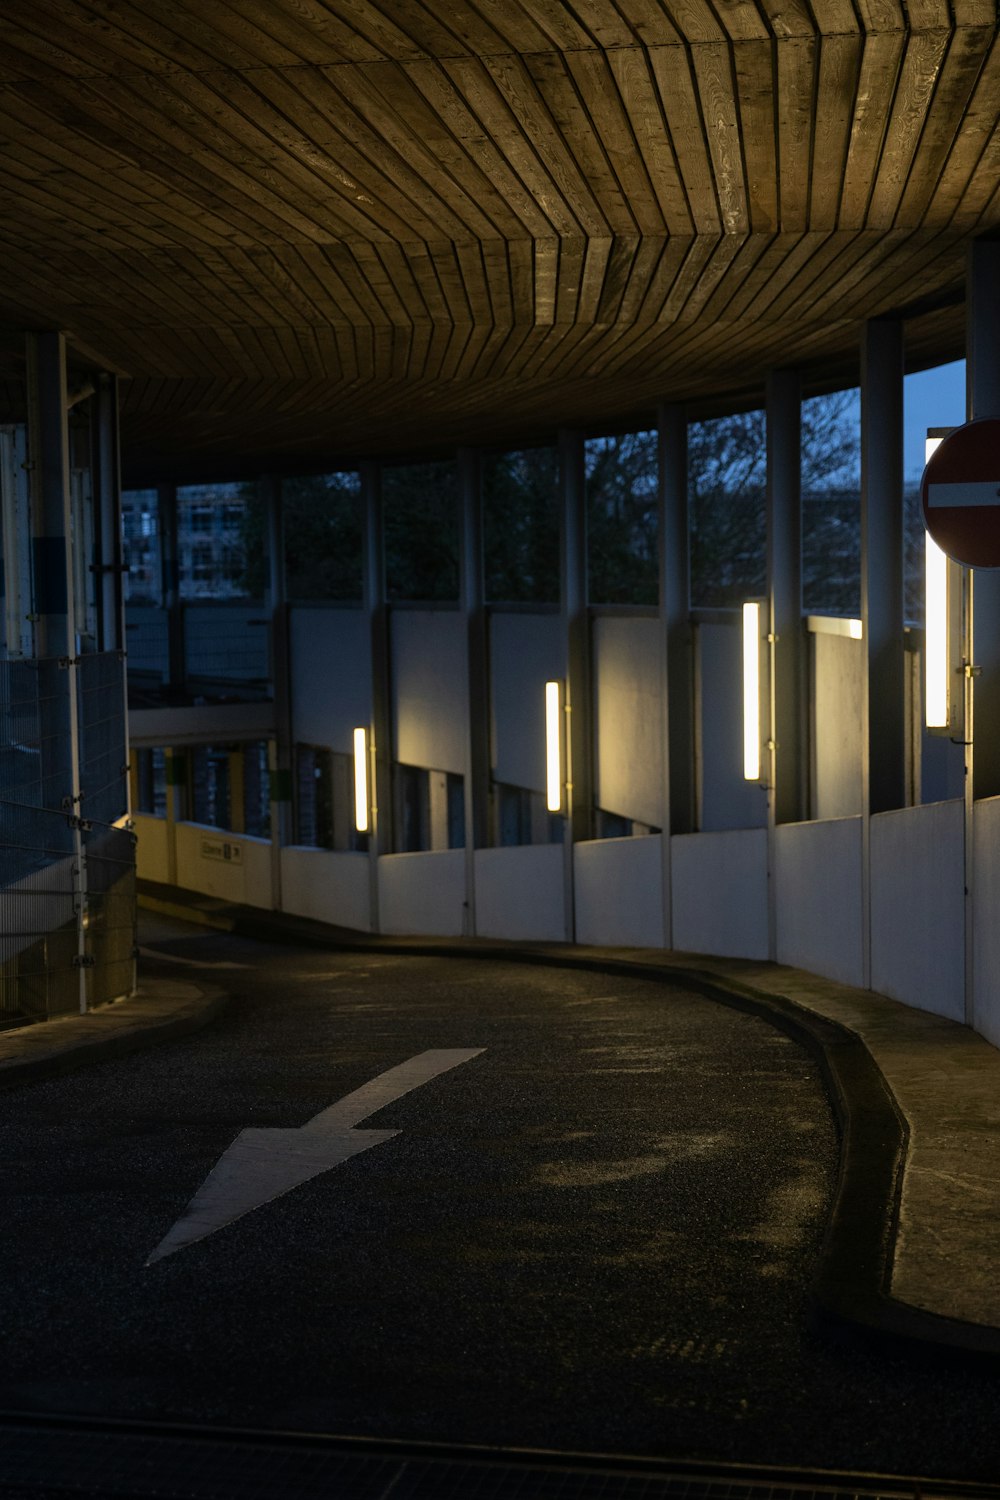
x,y
309,231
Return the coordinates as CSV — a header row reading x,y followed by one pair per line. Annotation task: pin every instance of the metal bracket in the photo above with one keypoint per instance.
x,y
83,824
83,961
68,661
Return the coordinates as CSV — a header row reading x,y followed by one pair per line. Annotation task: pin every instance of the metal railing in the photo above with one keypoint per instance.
x,y
67,858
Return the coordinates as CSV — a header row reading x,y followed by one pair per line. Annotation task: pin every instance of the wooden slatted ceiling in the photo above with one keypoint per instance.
x,y
313,229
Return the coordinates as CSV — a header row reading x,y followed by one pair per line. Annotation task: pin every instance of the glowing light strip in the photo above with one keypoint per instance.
x,y
361,781
936,626
553,748
751,692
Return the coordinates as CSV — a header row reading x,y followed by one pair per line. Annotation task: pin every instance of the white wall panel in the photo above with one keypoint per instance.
x,y
628,718
422,893
917,906
429,689
151,848
526,651
519,893
720,893
330,676
202,865
726,800
819,898
837,688
619,892
327,885
986,916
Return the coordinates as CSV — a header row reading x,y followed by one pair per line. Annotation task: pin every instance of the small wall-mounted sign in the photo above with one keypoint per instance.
x,y
223,849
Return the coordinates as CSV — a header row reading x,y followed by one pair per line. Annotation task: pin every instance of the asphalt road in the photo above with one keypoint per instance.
x,y
596,1235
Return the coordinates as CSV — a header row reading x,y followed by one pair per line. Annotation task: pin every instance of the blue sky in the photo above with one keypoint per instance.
x,y
934,398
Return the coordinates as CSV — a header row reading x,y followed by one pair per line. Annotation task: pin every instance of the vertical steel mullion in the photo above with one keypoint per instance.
x,y
377,613
677,667
472,593
576,633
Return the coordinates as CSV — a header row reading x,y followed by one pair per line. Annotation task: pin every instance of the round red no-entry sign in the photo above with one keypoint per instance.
x,y
960,492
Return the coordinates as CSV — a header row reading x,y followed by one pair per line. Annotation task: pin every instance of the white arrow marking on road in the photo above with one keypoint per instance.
x,y
262,1164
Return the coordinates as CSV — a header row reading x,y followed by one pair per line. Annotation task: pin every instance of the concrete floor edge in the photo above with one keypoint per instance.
x,y
850,1295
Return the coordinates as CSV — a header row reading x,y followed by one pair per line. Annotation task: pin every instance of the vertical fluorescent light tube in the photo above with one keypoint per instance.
x,y
935,626
553,748
751,692
361,781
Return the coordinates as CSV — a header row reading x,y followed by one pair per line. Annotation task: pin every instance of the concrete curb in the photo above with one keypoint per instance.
x,y
53,1049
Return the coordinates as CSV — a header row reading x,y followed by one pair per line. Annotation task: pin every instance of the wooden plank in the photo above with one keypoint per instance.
x,y
755,92
836,91
797,59
651,21
881,16
555,85
613,125
678,91
383,96
948,127
742,20
880,63
641,100
306,32
918,75
536,177
522,96
476,134
718,105
570,272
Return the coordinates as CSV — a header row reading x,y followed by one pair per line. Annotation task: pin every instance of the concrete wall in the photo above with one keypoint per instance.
x,y
725,800
429,689
628,718
423,893
519,892
151,858
720,893
619,892
818,884
918,907
330,676
837,671
526,651
245,876
986,910
327,885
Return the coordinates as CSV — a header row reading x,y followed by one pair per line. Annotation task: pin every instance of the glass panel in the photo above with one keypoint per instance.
x,y
322,523
831,504
141,547
221,542
622,518
521,526
727,471
420,507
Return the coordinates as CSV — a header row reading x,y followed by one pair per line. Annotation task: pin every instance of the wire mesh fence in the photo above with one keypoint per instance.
x,y
67,872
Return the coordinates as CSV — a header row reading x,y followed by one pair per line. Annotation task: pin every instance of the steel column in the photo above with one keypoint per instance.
x,y
472,594
676,642
784,592
576,627
882,561
377,612
983,400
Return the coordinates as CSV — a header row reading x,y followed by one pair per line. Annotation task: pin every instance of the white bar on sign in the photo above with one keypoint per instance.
x,y
950,496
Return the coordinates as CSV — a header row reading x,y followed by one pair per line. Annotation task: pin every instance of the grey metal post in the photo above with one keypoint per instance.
x,y
576,625
677,665
170,582
784,590
107,494
280,768
472,593
377,611
882,560
55,606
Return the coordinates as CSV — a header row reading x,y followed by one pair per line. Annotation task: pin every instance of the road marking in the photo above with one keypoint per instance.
x,y
189,963
263,1164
